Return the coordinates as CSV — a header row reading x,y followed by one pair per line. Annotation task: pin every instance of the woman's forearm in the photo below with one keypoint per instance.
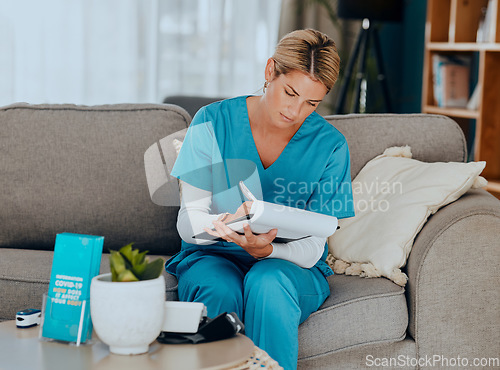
x,y
304,252
194,213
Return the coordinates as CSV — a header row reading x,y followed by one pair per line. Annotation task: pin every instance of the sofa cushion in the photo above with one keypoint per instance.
x,y
432,138
80,169
358,311
25,277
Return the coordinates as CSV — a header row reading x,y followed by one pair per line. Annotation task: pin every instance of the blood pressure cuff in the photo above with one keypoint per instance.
x,y
224,326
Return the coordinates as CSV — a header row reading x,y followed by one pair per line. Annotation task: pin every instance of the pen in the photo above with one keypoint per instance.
x,y
247,192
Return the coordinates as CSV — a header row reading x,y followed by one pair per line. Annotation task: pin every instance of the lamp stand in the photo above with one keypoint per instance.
x,y
366,35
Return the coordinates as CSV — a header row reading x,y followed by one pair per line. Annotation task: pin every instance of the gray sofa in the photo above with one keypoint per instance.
x,y
67,168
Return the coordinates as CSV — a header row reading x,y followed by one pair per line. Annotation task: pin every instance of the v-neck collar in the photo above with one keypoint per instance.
x,y
254,145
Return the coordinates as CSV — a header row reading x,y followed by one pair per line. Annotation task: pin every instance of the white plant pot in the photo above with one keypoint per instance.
x,y
127,316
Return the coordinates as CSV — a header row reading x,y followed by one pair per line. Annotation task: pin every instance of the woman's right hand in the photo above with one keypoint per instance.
x,y
257,245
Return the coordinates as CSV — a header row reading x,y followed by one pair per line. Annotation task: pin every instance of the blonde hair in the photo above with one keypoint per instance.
x,y
308,51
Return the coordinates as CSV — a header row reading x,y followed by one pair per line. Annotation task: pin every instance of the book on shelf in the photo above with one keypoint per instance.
x,y
292,223
473,103
486,28
451,75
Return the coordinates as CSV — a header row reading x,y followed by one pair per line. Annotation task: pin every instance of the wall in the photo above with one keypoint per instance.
x,y
403,53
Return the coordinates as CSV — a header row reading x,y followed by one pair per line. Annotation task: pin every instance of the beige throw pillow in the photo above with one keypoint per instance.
x,y
393,197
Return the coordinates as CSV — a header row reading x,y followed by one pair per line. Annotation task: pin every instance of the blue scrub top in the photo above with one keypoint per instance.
x,y
312,172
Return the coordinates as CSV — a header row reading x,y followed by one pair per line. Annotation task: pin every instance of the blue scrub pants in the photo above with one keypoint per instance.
x,y
271,296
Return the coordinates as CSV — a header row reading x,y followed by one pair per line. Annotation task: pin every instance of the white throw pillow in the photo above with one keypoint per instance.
x,y
393,197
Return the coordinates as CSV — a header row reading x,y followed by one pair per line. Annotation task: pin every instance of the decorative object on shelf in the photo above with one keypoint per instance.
x,y
370,12
451,75
473,102
486,28
128,314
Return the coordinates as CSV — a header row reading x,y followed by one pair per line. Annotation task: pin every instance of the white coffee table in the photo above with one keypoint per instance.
x,y
21,349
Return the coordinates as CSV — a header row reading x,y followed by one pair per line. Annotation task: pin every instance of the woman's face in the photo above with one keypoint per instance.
x,y
291,97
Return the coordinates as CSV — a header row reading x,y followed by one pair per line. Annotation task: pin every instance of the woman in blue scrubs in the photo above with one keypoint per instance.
x,y
285,153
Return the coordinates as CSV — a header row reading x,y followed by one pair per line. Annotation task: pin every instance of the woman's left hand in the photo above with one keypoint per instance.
x,y
257,246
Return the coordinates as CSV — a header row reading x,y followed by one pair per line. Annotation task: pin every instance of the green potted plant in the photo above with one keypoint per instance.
x,y
127,305
129,264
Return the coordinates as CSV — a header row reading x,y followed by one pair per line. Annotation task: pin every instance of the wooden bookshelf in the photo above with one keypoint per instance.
x,y
451,29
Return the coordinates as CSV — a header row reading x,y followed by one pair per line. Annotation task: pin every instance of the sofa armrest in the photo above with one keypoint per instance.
x,y
453,280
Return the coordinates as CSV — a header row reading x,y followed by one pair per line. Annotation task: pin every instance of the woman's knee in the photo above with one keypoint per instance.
x,y
210,279
269,279
284,283
270,272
